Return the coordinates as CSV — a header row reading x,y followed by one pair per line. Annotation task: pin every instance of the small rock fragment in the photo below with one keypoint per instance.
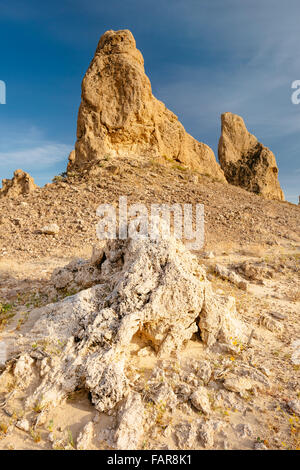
x,y
206,434
260,446
200,400
270,323
23,424
231,276
294,406
85,437
243,430
186,435
130,423
237,384
51,229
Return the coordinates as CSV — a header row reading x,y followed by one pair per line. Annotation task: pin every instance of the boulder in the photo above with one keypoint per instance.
x,y
21,183
245,161
118,114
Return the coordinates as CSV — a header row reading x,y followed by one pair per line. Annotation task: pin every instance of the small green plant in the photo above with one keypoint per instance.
x,y
36,436
50,425
5,314
61,177
145,445
67,293
3,428
70,438
38,407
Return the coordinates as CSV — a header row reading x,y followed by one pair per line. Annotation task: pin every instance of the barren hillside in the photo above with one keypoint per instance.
x,y
255,239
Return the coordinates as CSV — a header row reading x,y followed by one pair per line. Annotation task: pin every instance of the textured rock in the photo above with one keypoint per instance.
x,y
23,370
200,400
130,423
23,424
186,434
206,434
21,183
51,229
260,446
78,274
268,322
238,384
245,378
154,288
203,370
85,437
231,276
294,406
296,352
245,161
219,320
243,430
3,354
119,115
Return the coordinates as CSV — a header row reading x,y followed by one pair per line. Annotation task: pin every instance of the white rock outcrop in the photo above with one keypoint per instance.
x,y
156,289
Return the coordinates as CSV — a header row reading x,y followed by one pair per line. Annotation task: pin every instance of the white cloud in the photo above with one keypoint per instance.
x,y
25,146
45,155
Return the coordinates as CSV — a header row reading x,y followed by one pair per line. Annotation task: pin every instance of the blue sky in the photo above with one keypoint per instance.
x,y
203,57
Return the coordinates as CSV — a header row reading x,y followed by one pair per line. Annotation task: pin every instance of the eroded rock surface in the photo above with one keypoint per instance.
x,y
119,115
152,290
245,161
21,183
130,423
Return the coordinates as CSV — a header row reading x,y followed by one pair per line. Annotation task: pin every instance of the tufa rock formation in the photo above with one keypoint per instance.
x,y
119,115
153,290
21,183
245,161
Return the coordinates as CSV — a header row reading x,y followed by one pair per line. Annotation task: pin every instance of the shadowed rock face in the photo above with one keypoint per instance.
x,y
119,115
245,161
21,183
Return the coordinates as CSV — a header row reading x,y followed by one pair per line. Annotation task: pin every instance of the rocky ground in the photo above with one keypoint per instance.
x,y
233,394
234,218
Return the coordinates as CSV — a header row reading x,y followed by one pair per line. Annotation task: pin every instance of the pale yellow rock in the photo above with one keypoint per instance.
x,y
119,115
200,400
245,161
238,384
21,183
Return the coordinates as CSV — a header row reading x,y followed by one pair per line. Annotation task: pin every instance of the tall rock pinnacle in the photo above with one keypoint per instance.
x,y
119,115
245,161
